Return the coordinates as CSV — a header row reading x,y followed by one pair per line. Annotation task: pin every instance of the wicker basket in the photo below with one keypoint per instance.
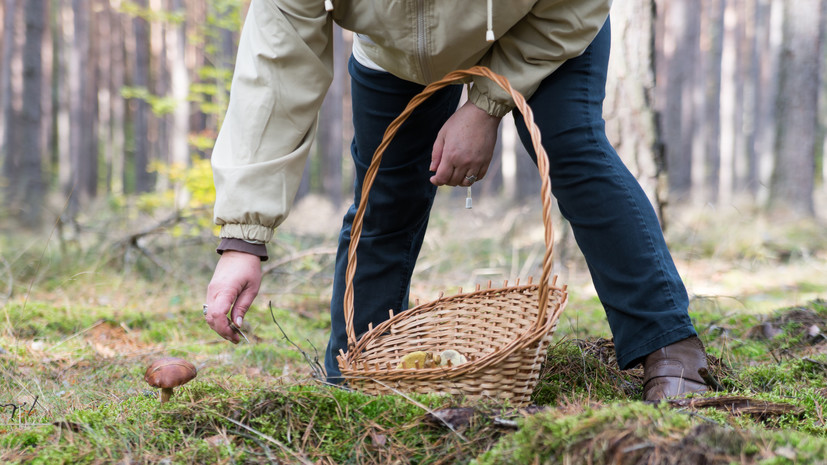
x,y
504,332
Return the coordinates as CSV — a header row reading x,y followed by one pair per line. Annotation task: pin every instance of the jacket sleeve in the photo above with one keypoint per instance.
x,y
554,31
282,72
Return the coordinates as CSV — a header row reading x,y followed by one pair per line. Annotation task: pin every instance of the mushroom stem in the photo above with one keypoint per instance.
x,y
166,393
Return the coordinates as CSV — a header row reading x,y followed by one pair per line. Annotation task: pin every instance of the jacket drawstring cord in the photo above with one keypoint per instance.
x,y
489,33
328,5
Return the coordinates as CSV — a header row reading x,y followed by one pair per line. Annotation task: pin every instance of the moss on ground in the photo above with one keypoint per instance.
x,y
634,433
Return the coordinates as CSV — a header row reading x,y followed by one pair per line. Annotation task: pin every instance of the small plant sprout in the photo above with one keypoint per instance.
x,y
168,373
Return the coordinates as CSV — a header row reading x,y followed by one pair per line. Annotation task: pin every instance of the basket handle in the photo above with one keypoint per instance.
x,y
390,132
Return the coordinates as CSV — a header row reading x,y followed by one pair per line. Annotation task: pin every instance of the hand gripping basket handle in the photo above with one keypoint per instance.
x,y
390,132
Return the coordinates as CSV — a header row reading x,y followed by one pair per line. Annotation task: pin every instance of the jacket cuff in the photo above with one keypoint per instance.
x,y
248,232
240,245
489,105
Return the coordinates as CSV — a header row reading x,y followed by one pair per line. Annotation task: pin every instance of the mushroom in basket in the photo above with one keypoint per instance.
x,y
421,359
451,358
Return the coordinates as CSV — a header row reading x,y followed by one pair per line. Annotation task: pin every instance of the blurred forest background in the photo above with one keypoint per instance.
x,y
118,102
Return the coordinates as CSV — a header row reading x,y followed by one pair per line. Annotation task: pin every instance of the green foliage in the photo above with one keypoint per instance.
x,y
148,14
160,105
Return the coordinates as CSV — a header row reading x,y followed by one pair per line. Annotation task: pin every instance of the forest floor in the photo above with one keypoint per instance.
x,y
83,313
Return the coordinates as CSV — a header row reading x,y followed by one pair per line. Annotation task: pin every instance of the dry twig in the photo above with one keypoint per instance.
x,y
315,367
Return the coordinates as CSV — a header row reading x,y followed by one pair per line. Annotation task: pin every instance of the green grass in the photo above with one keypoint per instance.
x,y
85,319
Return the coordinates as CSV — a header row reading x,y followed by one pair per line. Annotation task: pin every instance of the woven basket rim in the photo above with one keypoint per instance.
x,y
350,358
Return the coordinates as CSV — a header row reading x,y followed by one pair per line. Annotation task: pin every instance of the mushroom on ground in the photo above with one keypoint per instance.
x,y
167,373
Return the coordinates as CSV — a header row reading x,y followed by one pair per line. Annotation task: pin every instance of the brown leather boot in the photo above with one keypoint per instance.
x,y
673,370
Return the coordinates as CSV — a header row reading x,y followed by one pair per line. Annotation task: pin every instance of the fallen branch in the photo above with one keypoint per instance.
x,y
738,405
133,240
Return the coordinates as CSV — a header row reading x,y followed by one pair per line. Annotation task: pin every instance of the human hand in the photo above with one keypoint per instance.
x,y
464,147
234,286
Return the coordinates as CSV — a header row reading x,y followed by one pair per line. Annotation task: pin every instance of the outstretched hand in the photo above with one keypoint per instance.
x,y
464,147
234,286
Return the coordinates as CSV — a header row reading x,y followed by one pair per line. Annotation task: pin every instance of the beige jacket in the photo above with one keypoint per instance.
x,y
284,67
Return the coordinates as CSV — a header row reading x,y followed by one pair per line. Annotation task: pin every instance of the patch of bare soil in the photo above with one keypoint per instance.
x,y
110,340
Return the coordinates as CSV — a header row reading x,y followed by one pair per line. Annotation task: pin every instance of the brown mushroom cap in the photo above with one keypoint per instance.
x,y
169,372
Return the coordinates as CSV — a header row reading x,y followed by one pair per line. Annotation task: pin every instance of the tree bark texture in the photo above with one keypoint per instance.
x,y
678,36
30,178
797,106
83,150
144,181
631,121
12,91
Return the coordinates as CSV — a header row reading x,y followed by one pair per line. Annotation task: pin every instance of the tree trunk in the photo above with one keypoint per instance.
x,y
159,86
106,96
707,150
729,96
630,116
144,181
797,109
82,109
63,91
9,40
769,32
30,177
678,33
117,131
12,90
176,42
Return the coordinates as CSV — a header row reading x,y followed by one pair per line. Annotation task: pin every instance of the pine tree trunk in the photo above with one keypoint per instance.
x,y
176,41
630,115
707,150
30,177
82,109
144,181
678,35
12,90
769,30
797,109
9,13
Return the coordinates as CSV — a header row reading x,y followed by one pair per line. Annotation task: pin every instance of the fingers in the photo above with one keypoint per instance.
x,y
460,175
436,152
231,292
217,310
454,170
464,147
242,305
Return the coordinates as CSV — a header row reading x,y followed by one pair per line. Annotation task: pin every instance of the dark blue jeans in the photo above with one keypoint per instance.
x,y
613,222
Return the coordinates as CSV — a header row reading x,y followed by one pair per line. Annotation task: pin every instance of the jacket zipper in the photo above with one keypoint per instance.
x,y
422,41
